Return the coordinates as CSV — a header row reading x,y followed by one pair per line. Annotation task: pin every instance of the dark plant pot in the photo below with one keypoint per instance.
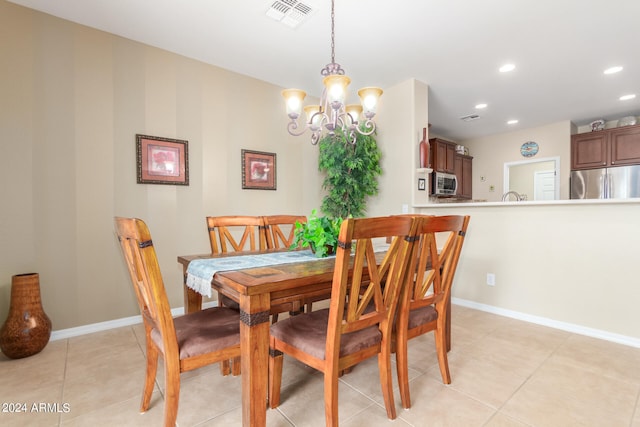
x,y
330,249
27,329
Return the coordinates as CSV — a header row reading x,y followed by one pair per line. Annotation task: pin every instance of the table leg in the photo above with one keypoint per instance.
x,y
192,299
254,345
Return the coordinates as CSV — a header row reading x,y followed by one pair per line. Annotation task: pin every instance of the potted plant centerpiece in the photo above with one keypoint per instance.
x,y
320,233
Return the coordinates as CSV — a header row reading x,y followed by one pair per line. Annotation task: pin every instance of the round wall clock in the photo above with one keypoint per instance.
x,y
529,149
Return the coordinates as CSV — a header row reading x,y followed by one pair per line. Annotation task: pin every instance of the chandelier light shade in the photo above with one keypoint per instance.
x,y
333,113
294,99
369,98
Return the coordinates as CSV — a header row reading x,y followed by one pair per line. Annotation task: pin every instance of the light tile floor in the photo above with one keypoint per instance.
x,y
504,373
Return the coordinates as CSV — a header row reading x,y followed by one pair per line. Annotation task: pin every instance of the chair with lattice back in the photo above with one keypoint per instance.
x,y
236,233
280,234
351,329
280,229
424,302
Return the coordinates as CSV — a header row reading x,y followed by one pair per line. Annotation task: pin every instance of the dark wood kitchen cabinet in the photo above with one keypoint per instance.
x,y
463,169
609,147
624,146
442,155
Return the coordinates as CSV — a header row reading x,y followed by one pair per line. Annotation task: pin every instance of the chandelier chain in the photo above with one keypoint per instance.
x,y
332,68
333,43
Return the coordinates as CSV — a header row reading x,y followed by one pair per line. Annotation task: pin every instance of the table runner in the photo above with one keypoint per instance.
x,y
200,272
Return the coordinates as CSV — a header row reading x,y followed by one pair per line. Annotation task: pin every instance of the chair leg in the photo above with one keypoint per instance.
x,y
150,379
225,368
345,371
441,349
386,381
331,398
274,318
402,367
236,370
171,392
275,377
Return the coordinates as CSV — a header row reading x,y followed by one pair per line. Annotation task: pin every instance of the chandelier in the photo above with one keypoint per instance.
x,y
333,113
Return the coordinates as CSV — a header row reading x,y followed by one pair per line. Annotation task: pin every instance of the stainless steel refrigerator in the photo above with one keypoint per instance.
x,y
620,182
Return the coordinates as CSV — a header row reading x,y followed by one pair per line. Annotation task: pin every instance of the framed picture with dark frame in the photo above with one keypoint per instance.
x,y
162,160
258,170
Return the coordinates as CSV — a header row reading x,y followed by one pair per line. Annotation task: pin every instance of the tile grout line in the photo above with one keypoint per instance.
x,y
528,378
636,409
373,401
284,416
64,378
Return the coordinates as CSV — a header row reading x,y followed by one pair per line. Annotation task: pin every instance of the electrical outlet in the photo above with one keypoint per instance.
x,y
491,279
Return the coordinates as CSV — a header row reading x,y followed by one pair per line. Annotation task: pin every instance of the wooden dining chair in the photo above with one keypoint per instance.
x,y
280,233
280,229
347,333
423,304
187,342
236,233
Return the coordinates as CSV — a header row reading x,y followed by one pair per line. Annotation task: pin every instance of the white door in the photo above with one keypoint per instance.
x,y
544,185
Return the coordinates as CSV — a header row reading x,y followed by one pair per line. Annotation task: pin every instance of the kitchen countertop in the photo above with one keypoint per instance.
x,y
530,203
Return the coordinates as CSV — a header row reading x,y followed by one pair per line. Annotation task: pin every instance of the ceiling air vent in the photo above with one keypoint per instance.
x,y
290,12
470,117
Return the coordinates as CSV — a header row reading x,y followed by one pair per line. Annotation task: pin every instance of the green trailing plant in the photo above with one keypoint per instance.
x,y
320,233
351,173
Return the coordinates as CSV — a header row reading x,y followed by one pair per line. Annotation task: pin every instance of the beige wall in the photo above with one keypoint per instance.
x,y
492,152
76,97
402,115
73,100
573,263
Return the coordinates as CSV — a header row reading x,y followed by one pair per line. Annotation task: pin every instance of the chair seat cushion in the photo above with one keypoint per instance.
x,y
204,332
308,332
421,316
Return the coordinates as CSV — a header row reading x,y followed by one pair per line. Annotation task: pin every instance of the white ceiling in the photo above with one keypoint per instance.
x,y
560,49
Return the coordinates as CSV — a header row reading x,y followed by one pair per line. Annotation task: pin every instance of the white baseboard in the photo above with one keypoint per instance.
x,y
569,327
111,324
564,326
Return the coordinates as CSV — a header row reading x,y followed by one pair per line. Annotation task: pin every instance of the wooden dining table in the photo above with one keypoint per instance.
x,y
257,290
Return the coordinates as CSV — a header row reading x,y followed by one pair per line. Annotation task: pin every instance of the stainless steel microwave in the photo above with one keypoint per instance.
x,y
444,184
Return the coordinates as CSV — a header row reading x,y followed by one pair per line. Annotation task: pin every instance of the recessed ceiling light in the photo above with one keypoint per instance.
x,y
613,70
481,106
627,97
507,67
512,122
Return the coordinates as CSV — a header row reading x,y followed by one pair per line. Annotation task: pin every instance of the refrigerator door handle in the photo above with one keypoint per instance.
x,y
604,193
